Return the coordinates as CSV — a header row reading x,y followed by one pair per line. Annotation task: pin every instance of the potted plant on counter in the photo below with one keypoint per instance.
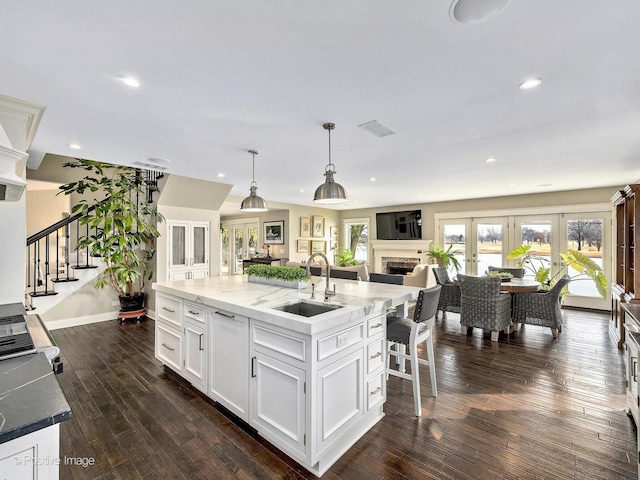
x,y
290,277
122,231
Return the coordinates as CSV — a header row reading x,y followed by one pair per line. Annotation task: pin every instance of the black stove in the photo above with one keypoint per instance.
x,y
15,338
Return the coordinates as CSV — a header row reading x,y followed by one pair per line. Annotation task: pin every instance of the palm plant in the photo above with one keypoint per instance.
x,y
587,269
445,257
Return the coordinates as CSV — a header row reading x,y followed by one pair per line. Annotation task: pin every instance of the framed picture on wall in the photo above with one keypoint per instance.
x,y
318,246
303,246
318,226
274,232
305,226
334,232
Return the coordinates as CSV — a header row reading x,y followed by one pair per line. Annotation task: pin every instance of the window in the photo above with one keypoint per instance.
x,y
357,237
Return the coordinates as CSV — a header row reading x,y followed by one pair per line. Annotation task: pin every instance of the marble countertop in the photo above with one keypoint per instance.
x,y
30,396
256,300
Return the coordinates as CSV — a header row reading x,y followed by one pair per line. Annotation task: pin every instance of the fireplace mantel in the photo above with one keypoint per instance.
x,y
398,248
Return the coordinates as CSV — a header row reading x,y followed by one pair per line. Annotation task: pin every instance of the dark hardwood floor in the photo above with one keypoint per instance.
x,y
527,407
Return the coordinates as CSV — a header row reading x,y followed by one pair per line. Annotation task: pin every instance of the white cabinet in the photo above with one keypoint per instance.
x,y
169,346
278,403
188,250
229,360
32,456
340,397
195,362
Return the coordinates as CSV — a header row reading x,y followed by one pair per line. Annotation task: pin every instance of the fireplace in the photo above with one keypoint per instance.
x,y
398,256
399,266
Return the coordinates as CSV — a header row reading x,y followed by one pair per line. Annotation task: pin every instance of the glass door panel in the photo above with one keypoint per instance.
x,y
199,245
224,250
178,246
239,242
490,235
539,233
587,234
455,234
237,234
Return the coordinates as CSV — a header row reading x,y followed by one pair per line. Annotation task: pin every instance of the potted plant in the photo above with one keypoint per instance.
x,y
344,257
587,269
444,257
292,277
122,231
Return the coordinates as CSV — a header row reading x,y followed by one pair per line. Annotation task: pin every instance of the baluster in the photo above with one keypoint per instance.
x,y
46,265
57,262
67,238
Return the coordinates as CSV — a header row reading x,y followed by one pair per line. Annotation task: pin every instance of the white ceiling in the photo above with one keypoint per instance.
x,y
220,78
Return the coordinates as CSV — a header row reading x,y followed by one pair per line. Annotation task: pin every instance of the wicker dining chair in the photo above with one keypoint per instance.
x,y
515,272
482,305
540,308
411,332
450,293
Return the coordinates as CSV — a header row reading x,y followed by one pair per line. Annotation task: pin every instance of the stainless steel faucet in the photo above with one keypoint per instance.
x,y
327,291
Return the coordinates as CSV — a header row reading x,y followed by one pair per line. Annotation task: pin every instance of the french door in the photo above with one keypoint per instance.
x,y
480,243
239,242
484,241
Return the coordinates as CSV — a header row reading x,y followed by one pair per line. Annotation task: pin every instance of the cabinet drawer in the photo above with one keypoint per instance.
x,y
279,342
375,390
331,344
168,346
195,312
375,325
375,355
170,310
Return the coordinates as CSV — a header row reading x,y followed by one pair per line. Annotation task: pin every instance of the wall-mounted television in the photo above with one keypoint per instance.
x,y
405,225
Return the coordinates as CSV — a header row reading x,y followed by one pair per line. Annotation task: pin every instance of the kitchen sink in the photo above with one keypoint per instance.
x,y
307,309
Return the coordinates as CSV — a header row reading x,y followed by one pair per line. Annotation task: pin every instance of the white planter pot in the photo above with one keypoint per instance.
x,y
277,282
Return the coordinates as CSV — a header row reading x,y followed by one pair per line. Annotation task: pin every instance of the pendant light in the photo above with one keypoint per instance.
x,y
253,203
330,191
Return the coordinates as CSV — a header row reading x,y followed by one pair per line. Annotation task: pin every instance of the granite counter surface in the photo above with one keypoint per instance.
x,y
30,396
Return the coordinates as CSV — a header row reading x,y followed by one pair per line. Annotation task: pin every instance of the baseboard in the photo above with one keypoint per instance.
x,y
74,322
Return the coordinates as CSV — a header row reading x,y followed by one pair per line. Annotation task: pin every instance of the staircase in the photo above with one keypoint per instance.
x,y
55,269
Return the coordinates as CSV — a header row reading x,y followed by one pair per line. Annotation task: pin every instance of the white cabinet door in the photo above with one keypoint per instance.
x,y
178,244
278,402
195,355
188,250
229,361
199,245
169,346
340,398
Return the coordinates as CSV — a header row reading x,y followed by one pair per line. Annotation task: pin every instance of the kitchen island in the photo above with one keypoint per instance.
x,y
312,386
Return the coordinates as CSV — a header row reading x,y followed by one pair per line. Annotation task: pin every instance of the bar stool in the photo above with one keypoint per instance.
x,y
412,332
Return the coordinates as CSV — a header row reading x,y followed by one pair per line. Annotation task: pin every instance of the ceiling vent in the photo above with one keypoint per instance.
x,y
150,166
474,11
376,128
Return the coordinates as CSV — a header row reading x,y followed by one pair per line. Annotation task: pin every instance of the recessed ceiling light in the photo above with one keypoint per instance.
x,y
75,146
130,81
490,160
300,190
372,179
544,185
220,175
530,83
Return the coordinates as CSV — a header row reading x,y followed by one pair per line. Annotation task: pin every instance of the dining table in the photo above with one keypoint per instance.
x,y
520,285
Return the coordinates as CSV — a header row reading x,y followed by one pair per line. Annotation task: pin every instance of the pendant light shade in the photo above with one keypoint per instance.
x,y
330,191
253,203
